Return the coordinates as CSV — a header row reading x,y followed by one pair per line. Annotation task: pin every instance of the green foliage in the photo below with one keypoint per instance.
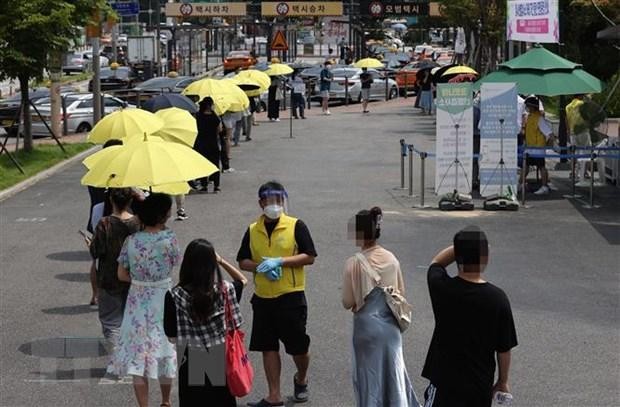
x,y
612,108
580,22
35,161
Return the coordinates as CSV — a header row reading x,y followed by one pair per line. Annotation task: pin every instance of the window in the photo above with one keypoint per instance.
x,y
111,102
85,104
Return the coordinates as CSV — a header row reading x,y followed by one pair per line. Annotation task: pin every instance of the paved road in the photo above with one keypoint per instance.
x,y
558,264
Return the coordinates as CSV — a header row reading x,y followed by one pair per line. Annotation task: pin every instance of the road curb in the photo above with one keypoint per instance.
x,y
27,183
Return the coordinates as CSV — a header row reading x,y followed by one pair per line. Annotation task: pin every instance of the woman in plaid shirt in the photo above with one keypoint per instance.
x,y
194,318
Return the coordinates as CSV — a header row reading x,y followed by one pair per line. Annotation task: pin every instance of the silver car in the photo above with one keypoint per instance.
x,y
350,77
79,112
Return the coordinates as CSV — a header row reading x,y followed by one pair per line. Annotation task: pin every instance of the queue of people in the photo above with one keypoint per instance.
x,y
155,328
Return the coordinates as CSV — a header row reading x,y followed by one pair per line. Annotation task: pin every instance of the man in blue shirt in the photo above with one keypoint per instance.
x,y
325,84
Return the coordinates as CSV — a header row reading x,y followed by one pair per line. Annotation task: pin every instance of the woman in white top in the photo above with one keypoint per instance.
x,y
379,373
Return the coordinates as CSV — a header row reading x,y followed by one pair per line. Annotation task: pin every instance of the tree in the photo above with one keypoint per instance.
x,y
485,21
580,21
29,31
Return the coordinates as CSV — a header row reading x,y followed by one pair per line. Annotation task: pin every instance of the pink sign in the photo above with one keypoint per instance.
x,y
534,26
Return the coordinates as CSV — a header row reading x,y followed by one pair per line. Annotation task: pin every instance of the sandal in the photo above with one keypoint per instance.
x,y
301,391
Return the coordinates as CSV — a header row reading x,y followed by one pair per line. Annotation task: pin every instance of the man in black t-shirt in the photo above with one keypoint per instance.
x,y
275,248
366,80
473,325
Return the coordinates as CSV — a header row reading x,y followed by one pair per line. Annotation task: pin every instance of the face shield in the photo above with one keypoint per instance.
x,y
274,203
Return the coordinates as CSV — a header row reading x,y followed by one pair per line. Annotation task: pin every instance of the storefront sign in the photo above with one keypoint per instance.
x,y
301,8
206,9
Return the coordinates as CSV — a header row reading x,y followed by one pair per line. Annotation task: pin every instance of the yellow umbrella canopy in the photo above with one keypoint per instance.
x,y
177,188
226,95
125,123
279,69
253,77
460,69
368,63
179,126
147,163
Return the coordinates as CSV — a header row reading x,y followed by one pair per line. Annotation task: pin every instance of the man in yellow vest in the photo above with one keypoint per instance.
x,y
537,132
275,249
578,128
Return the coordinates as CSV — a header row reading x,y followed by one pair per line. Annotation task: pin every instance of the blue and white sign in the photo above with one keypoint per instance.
x,y
126,8
498,138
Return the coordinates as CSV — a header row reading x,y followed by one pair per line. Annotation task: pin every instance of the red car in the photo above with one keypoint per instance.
x,y
238,59
406,77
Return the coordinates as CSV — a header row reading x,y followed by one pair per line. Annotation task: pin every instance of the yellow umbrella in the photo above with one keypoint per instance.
x,y
147,163
279,69
226,95
368,63
455,70
177,188
124,123
253,77
179,126
256,76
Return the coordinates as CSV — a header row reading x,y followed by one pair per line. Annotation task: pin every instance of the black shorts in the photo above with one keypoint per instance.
x,y
538,162
280,319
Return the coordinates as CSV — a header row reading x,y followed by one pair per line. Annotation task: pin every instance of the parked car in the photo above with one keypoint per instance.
x,y
154,86
82,62
351,77
165,84
9,108
406,77
79,112
238,59
122,77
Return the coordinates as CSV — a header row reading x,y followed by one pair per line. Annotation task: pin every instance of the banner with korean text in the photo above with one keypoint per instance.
x,y
498,138
454,149
533,21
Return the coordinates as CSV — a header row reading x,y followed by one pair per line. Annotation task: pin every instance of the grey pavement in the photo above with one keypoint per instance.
x,y
557,262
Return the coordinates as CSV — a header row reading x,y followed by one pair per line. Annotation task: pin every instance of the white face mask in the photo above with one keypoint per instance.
x,y
273,211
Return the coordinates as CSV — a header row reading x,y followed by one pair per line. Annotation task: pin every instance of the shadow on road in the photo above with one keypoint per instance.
x,y
75,255
74,277
64,348
69,310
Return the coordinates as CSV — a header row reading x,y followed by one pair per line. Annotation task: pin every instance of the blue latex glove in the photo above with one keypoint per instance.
x,y
269,264
275,274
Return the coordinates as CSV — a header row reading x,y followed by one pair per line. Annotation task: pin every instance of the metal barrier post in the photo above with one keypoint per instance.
x,y
422,176
403,154
410,147
573,174
592,156
523,177
423,156
387,96
346,90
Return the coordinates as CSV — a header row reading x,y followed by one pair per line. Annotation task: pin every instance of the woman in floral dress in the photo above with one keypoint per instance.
x,y
146,261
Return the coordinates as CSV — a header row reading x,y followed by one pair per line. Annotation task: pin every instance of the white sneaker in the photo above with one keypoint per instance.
x,y
552,187
327,113
276,120
229,170
544,190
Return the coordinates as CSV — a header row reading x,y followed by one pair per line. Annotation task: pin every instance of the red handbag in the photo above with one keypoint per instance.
x,y
239,371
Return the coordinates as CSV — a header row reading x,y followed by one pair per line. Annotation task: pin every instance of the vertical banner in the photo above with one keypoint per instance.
x,y
455,138
533,21
498,138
